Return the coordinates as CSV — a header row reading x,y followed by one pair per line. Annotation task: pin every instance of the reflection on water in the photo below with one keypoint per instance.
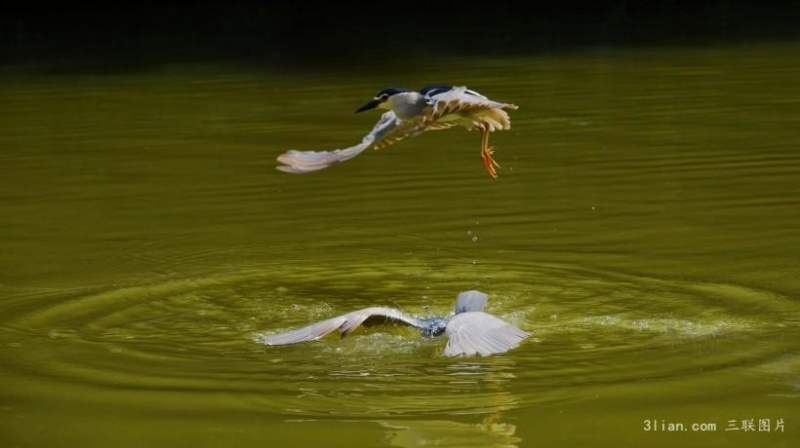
x,y
445,433
643,229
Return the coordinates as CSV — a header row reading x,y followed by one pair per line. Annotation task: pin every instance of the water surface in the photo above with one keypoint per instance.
x,y
644,228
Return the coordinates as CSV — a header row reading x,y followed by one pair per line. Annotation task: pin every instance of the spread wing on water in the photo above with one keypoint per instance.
x,y
388,130
476,332
345,323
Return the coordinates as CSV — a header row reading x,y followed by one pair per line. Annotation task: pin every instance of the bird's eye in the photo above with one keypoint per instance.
x,y
384,97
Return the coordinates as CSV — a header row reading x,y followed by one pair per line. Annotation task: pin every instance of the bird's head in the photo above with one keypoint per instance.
x,y
383,100
429,91
433,326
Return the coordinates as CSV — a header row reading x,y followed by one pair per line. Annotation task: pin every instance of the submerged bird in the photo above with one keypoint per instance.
x,y
469,330
409,114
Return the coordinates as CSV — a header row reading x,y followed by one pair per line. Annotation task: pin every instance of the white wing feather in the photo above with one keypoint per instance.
x,y
345,323
480,333
295,161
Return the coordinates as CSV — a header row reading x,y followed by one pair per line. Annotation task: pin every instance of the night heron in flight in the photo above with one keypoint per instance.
x,y
409,114
469,330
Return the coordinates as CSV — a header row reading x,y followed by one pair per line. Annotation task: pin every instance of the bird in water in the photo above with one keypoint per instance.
x,y
469,330
410,113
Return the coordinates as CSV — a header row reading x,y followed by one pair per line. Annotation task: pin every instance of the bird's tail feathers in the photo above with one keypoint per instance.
x,y
493,120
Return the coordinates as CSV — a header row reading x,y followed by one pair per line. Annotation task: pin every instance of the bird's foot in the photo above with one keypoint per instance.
x,y
488,161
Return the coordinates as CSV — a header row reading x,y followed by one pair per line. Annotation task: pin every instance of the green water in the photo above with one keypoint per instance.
x,y
645,228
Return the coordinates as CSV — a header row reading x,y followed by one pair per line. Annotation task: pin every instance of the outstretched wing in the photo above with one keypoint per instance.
x,y
345,323
447,108
480,333
388,130
461,102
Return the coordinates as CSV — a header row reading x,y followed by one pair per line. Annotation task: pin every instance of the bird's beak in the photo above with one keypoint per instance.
x,y
371,105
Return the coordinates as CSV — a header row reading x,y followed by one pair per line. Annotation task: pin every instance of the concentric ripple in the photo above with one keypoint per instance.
x,y
197,335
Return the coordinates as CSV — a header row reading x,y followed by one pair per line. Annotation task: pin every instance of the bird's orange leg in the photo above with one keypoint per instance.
x,y
486,154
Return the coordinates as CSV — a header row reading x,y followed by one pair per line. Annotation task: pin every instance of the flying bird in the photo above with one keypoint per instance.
x,y
469,330
409,114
